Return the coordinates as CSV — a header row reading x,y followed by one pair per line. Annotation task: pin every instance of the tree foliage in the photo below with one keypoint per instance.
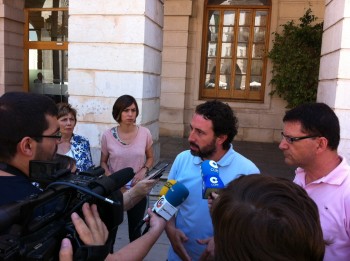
x,y
296,60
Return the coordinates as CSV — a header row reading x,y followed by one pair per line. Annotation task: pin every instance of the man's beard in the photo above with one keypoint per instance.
x,y
205,152
43,155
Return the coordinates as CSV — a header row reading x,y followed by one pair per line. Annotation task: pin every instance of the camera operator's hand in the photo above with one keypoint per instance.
x,y
66,251
127,253
93,231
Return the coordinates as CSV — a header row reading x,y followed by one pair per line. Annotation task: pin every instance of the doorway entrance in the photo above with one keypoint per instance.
x,y
46,49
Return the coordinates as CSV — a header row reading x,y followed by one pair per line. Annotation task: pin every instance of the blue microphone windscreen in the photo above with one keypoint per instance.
x,y
177,194
209,167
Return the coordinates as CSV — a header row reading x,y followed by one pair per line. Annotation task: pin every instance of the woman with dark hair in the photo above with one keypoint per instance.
x,y
72,145
266,218
128,145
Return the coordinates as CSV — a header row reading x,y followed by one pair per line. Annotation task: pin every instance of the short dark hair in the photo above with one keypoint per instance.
x,y
120,104
260,217
65,108
22,114
223,119
316,119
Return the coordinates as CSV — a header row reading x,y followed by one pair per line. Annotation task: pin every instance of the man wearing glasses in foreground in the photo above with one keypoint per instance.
x,y
310,139
29,131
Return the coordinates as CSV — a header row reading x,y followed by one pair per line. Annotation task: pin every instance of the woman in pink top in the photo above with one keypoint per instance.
x,y
128,145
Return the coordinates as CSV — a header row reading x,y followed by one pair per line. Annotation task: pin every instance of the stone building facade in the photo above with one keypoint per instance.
x,y
153,50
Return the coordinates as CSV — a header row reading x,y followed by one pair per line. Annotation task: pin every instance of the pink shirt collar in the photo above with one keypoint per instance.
x,y
335,177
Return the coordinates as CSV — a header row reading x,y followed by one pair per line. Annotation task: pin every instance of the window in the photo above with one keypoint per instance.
x,y
235,39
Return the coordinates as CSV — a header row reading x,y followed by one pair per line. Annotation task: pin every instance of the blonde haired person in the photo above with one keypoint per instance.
x,y
72,145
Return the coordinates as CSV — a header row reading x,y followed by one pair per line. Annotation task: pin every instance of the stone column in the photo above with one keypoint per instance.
x,y
175,66
334,85
114,49
11,45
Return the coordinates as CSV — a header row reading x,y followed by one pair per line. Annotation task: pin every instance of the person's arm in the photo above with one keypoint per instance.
x,y
103,163
149,158
141,174
177,237
88,153
132,196
139,248
104,155
94,232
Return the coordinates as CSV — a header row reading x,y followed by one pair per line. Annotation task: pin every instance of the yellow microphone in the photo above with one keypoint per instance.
x,y
168,184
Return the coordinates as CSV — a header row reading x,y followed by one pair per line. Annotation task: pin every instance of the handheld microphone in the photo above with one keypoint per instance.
x,y
166,204
211,179
168,184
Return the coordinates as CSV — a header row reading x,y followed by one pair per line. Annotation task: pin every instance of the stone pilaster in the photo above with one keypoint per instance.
x,y
334,85
11,45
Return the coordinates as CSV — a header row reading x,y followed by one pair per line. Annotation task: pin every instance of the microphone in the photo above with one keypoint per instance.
x,y
211,179
107,184
168,184
166,204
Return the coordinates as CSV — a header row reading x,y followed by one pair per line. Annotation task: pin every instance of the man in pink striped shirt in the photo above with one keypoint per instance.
x,y
310,139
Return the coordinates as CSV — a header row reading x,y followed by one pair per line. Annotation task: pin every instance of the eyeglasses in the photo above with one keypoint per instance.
x,y
57,136
290,140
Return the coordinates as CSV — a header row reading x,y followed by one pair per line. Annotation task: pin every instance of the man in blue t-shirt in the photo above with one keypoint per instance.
x,y
213,128
29,131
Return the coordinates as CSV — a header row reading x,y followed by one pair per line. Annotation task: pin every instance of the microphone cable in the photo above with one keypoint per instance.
x,y
87,191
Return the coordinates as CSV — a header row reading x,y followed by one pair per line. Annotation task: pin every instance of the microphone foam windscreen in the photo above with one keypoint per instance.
x,y
121,177
209,167
177,194
168,184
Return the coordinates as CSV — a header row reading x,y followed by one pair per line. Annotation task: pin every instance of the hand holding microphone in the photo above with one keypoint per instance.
x,y
211,179
165,206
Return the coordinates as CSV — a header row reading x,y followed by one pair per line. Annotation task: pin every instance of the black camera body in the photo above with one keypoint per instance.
x,y
33,229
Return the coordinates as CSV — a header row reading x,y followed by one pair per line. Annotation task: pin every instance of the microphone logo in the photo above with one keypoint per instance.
x,y
213,164
160,202
214,180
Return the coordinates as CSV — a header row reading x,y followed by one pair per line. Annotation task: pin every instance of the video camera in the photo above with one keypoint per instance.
x,y
33,229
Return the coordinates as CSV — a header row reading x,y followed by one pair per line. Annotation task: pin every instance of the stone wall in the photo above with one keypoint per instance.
x,y
180,78
11,45
114,49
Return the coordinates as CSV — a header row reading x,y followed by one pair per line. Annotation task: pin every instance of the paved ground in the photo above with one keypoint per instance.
x,y
266,156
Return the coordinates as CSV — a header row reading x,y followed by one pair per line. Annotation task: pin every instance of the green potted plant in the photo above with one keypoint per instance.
x,y
296,60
